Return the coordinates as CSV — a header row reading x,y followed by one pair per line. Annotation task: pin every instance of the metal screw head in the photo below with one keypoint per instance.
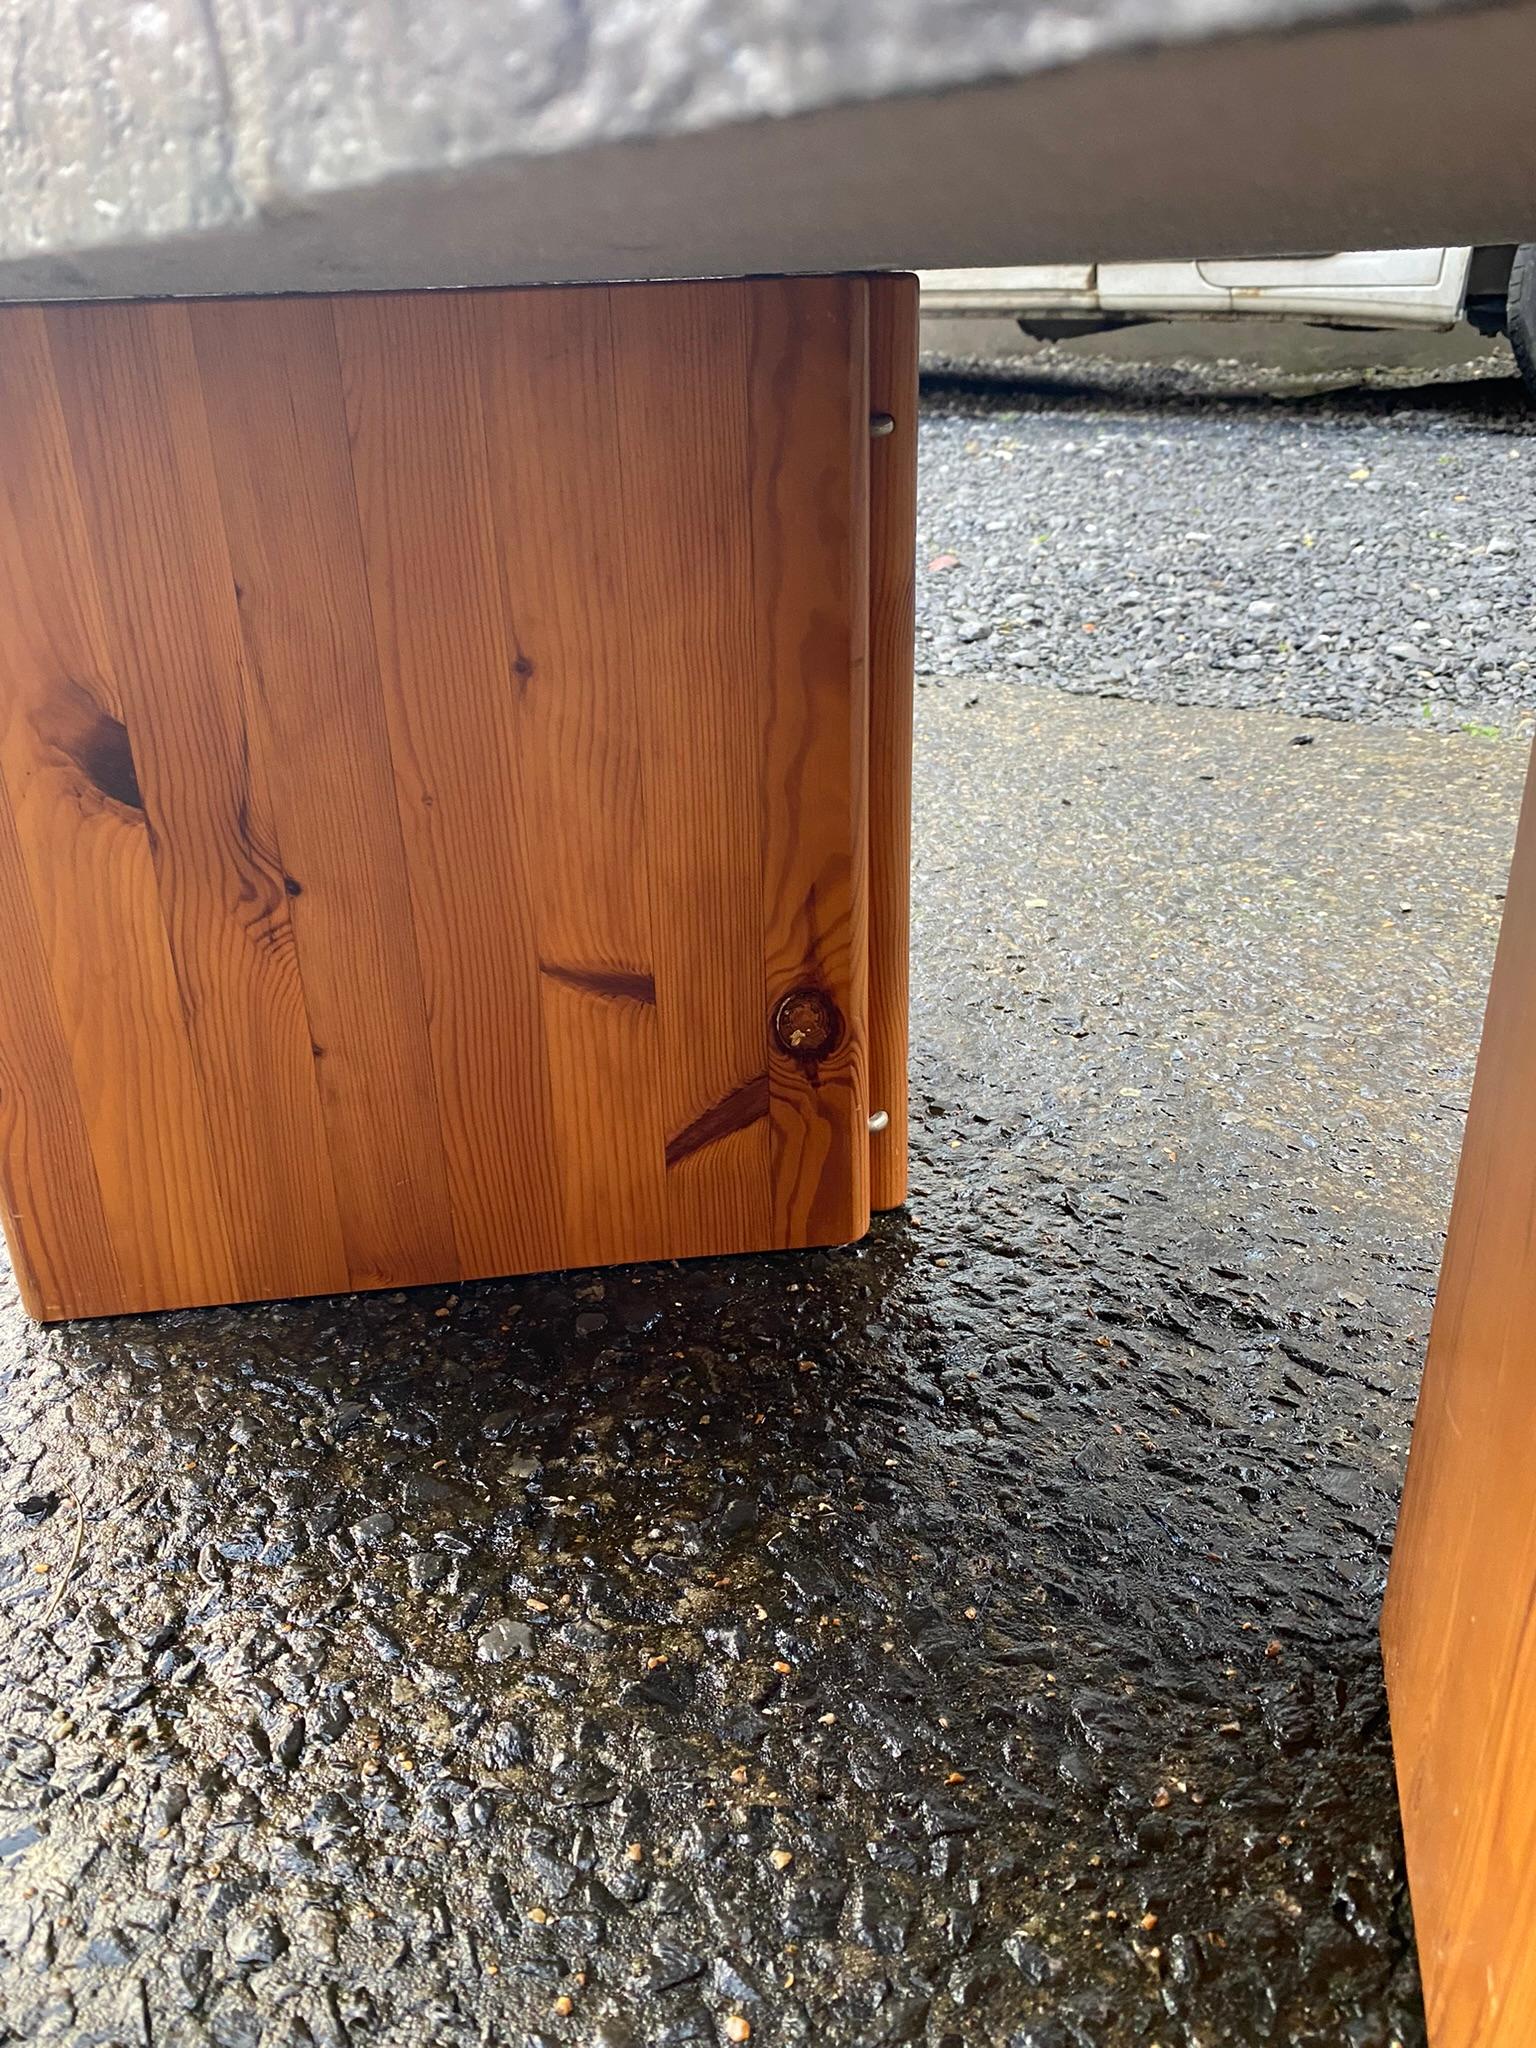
x,y
881,423
807,1024
880,1120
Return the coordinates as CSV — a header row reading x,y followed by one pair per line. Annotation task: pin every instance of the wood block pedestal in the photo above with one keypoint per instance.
x,y
1459,1631
454,757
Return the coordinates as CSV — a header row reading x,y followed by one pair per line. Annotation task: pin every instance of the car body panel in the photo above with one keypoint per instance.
x,y
1352,288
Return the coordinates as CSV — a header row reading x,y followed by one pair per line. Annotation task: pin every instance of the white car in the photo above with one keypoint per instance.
x,y
1494,288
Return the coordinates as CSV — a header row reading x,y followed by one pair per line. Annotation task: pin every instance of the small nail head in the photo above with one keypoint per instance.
x,y
881,423
880,1120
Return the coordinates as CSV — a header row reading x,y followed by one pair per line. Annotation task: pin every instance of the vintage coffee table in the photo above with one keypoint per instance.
x,y
454,745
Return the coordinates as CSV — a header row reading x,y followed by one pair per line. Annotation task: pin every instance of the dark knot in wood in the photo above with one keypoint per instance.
x,y
807,1024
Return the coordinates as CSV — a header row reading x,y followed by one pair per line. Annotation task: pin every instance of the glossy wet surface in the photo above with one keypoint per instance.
x,y
964,1638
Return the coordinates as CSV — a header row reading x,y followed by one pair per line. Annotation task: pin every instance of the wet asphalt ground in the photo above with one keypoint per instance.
x,y
967,1637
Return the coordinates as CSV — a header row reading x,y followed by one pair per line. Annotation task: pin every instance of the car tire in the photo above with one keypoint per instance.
x,y
1520,315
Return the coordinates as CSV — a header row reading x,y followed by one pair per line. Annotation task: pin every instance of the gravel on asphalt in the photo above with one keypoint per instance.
x,y
1185,536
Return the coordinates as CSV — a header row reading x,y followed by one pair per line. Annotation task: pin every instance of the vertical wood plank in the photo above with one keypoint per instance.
x,y
61,1249
139,447
892,628
410,376
1458,1631
272,392
682,457
547,363
809,457
84,840
433,783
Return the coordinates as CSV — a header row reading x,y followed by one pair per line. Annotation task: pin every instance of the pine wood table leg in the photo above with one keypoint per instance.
x,y
435,782
1459,1629
892,521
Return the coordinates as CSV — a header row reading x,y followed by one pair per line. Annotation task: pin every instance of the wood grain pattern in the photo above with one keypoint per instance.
x,y
410,372
64,1252
433,744
156,539
808,373
1459,1630
271,380
681,434
892,629
87,869
576,720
